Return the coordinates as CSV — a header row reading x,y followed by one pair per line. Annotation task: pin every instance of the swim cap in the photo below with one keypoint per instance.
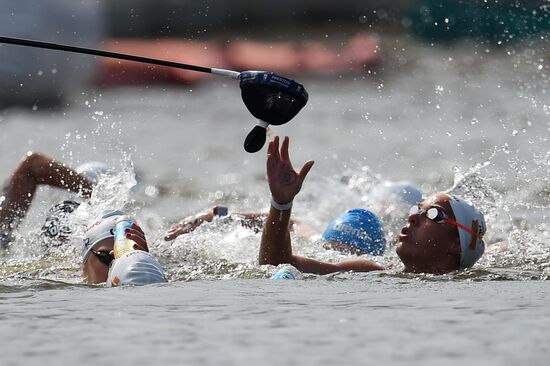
x,y
100,228
402,191
92,170
359,228
135,268
288,272
471,247
57,220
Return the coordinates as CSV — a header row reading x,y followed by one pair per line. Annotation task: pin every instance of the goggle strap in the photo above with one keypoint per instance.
x,y
463,227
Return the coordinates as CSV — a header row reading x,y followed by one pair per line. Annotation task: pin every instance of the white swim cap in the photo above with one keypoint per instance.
x,y
471,246
100,228
92,170
135,268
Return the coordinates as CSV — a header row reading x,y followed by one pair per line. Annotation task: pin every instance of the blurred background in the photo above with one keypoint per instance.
x,y
334,37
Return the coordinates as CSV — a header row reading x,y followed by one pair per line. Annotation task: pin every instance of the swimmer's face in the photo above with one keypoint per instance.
x,y
94,270
427,246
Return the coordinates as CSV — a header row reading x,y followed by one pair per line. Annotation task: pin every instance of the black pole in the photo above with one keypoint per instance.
x,y
91,51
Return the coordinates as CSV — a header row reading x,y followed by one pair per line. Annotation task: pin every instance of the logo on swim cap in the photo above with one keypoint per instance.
x,y
358,228
471,221
57,223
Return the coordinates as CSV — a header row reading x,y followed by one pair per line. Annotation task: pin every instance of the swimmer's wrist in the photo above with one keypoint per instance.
x,y
281,206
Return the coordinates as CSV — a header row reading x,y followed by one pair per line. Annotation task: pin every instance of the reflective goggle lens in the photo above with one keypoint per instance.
x,y
433,213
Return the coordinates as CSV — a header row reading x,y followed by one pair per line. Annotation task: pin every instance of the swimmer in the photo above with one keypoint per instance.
x,y
442,234
357,231
137,267
251,220
18,193
98,263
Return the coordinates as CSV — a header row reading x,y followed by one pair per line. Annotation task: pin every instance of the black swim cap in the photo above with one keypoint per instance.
x,y
56,224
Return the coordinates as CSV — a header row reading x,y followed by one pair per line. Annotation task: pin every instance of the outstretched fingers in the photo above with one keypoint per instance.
x,y
275,150
284,149
270,162
305,169
285,158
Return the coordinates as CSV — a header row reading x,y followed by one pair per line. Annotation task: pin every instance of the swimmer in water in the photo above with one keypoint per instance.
x,y
251,220
98,262
137,267
18,193
356,231
442,234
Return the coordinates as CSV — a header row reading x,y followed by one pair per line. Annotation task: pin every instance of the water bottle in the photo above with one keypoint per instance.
x,y
123,245
287,273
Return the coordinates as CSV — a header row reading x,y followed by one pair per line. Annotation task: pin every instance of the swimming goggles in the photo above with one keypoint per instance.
x,y
439,217
104,256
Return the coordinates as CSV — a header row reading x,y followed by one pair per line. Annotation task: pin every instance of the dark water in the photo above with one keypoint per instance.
x,y
468,118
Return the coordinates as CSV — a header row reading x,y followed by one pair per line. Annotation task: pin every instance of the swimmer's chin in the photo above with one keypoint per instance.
x,y
403,242
403,239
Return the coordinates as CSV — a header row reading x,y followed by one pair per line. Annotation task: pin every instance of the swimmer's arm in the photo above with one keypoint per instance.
x,y
34,170
276,249
308,265
275,246
250,220
284,183
256,220
187,225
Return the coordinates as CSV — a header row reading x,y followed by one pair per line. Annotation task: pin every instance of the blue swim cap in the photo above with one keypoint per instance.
x,y
358,228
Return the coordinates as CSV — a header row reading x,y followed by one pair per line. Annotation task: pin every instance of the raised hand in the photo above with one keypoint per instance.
x,y
284,182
